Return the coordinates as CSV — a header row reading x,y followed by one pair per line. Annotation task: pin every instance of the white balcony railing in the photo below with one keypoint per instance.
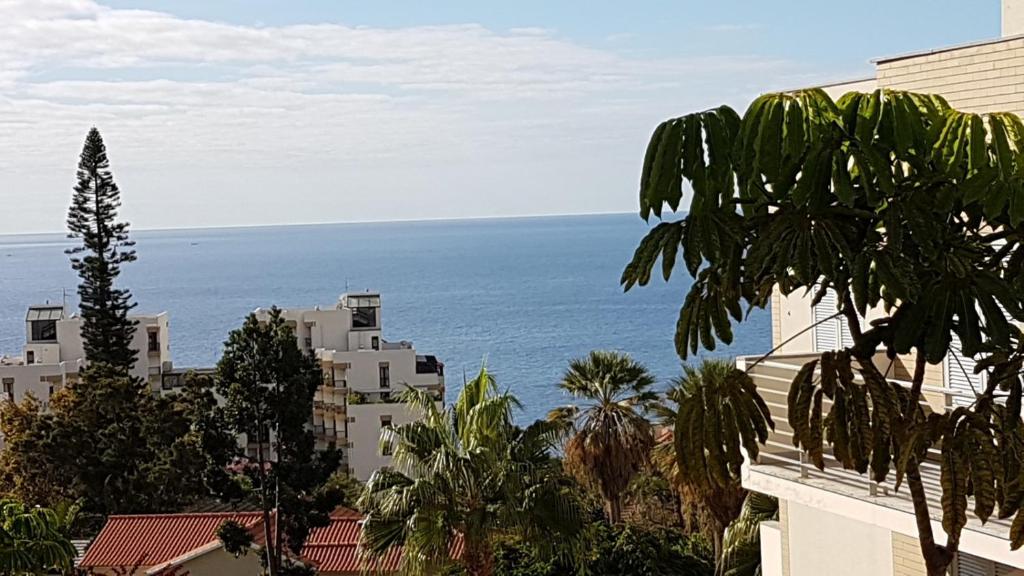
x,y
778,457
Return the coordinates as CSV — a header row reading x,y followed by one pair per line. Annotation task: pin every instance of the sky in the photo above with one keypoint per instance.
x,y
254,112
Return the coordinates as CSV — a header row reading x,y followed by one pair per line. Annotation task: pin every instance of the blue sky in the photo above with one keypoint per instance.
x,y
236,112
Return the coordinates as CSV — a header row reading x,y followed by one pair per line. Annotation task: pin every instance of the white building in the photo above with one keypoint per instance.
x,y
53,354
837,522
364,376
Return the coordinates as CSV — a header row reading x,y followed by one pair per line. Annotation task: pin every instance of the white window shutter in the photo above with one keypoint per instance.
x,y
826,334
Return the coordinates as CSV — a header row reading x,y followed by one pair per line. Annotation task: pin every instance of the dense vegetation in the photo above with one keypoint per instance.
x,y
895,203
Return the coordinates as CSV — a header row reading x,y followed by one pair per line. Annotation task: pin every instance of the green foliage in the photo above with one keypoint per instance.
x,y
468,471
610,439
895,202
32,541
109,443
741,549
268,385
612,550
237,539
106,330
714,412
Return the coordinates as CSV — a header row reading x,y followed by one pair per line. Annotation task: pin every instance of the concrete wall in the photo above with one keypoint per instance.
x,y
221,563
771,549
985,77
1013,17
821,543
906,556
364,427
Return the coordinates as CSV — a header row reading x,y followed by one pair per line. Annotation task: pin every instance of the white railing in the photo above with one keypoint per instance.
x,y
773,377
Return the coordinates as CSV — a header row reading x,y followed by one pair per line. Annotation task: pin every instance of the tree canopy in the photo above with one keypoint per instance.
x,y
92,218
898,204
468,472
610,439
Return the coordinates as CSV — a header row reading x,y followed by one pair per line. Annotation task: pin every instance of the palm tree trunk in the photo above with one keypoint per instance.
x,y
477,559
614,509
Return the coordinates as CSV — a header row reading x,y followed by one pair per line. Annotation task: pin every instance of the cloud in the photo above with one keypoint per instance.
x,y
727,28
215,123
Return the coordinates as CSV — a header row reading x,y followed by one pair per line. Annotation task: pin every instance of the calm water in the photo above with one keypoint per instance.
x,y
526,294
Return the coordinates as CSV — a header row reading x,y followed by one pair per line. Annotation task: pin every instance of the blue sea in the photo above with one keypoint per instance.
x,y
523,294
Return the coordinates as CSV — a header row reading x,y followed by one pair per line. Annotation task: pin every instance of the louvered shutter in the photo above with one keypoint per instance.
x,y
967,565
826,334
1004,570
960,375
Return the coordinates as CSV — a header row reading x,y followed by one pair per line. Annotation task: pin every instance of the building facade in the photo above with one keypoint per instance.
x,y
364,377
838,522
364,374
53,354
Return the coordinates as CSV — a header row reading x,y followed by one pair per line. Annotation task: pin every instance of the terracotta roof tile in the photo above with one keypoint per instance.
x,y
149,540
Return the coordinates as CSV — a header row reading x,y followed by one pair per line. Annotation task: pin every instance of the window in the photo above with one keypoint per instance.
x,y
364,317
44,330
385,423
30,357
375,343
385,375
154,341
9,388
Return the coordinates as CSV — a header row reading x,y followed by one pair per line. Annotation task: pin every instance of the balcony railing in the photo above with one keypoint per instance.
x,y
779,458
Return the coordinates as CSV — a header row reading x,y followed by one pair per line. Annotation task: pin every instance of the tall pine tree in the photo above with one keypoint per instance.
x,y
106,329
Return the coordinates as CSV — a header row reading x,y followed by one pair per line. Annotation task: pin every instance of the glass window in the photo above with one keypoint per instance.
x,y
154,341
385,375
30,357
44,330
364,317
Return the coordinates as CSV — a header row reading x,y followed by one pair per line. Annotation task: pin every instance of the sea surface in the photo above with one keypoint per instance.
x,y
523,294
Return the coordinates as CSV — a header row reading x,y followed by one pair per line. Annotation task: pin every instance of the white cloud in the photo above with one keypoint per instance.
x,y
213,123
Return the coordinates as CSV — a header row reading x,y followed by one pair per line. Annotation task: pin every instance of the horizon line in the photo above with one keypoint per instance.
x,y
345,222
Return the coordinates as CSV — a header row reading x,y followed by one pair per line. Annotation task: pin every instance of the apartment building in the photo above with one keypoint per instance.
x,y
53,354
364,376
837,522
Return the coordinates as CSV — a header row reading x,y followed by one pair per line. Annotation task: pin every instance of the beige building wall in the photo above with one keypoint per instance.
x,y
220,563
984,77
906,556
836,545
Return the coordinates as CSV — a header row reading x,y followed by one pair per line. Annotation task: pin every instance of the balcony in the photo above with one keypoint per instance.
x,y
779,461
429,365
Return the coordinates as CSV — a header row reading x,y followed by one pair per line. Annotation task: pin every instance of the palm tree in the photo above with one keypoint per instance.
x,y
741,547
32,541
715,414
611,439
467,474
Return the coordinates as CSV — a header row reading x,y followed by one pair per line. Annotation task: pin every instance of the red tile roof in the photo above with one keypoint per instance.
x,y
335,548
149,540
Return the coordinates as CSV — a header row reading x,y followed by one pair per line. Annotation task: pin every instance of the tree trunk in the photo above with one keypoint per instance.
x,y
716,541
937,558
614,508
477,559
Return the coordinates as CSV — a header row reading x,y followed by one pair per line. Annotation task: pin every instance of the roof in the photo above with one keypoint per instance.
x,y
335,548
44,312
149,540
947,49
167,539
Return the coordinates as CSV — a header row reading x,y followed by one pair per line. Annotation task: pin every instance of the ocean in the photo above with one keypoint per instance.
x,y
524,295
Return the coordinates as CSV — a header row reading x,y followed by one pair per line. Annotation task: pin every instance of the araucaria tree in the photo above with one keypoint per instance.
x,y
610,439
898,204
106,329
268,385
